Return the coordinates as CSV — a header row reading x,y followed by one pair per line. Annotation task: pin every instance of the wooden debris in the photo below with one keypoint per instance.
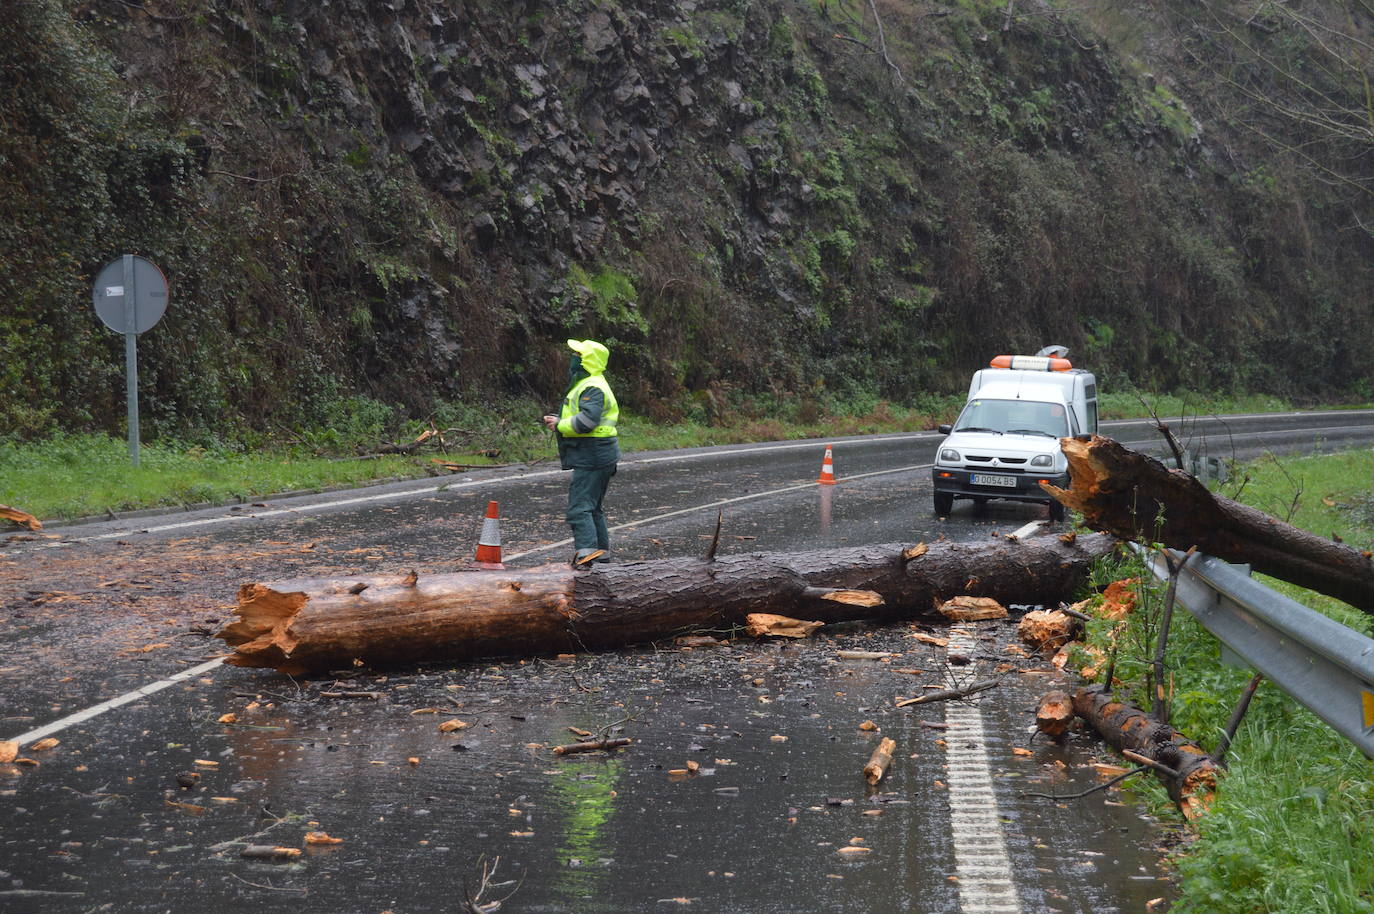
x,y
22,518
321,839
42,745
879,761
758,625
9,751
1188,772
1118,600
947,694
592,746
972,609
1055,714
864,655
1047,630
270,852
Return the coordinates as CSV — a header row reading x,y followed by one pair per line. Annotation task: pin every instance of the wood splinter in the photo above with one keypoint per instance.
x,y
879,761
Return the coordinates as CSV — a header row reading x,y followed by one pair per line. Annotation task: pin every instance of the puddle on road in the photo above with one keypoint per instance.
x,y
772,728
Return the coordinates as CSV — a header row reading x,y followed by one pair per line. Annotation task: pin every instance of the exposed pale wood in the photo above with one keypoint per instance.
x,y
1135,497
759,625
1192,779
22,518
1055,714
879,761
1047,630
972,609
316,624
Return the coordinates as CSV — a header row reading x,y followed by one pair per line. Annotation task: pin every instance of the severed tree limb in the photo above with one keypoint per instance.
x,y
595,745
1160,706
1188,772
1135,497
316,624
1237,716
947,694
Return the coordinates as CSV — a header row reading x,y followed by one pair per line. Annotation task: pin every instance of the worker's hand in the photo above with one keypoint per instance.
x,y
551,422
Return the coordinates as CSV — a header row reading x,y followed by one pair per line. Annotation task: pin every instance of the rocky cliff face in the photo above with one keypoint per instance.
x,y
415,200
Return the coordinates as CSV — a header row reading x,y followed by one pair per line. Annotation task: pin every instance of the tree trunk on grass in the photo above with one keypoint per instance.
x,y
1193,778
1137,498
316,624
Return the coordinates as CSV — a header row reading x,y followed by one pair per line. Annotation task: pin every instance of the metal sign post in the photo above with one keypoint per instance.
x,y
130,296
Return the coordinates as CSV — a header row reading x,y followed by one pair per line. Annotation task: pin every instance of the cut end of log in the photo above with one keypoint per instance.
x,y
1054,715
972,609
759,625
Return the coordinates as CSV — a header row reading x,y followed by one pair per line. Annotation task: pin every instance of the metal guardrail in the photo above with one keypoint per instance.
x,y
1326,666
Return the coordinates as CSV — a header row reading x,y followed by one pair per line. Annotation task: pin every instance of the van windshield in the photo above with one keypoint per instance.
x,y
1014,417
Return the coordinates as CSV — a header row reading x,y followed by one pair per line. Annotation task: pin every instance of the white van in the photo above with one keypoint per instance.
x,y
1005,442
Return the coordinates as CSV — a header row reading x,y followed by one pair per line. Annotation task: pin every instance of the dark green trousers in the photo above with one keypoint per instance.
x,y
585,517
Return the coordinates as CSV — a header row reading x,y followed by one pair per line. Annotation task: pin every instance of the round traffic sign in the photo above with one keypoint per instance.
x,y
130,281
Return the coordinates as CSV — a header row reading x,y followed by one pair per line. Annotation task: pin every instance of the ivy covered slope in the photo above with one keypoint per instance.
x,y
418,200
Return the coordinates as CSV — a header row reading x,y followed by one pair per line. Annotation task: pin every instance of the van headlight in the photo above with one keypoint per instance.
x,y
1042,460
949,455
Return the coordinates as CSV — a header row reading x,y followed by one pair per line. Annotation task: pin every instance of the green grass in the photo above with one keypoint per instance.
x,y
1288,832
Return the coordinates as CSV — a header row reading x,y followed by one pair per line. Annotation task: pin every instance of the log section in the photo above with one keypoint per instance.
x,y
314,624
1192,779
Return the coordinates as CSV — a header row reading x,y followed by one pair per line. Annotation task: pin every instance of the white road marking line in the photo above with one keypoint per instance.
x,y
70,720
982,866
444,487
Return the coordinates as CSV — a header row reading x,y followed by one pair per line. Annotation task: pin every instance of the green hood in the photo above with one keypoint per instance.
x,y
595,356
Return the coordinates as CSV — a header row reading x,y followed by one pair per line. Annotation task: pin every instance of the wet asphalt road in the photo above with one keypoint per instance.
x,y
101,823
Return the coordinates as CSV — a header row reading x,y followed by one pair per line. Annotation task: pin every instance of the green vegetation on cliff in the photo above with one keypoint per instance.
x,y
415,203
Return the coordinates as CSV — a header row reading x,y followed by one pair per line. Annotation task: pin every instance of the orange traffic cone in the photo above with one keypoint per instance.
x,y
489,543
827,468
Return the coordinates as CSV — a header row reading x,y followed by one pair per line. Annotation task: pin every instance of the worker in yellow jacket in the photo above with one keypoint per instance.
x,y
588,445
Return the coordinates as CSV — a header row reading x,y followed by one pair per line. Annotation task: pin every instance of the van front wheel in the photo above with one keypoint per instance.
x,y
944,504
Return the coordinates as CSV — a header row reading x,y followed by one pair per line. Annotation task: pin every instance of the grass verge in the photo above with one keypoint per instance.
x,y
1288,832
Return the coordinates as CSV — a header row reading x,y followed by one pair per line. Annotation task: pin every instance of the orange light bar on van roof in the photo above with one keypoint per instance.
x,y
1031,363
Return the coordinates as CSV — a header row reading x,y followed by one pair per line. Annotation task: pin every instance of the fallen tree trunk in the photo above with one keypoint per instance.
x,y
1188,772
1135,497
314,624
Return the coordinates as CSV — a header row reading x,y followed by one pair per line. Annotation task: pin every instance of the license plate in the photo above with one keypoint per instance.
x,y
982,479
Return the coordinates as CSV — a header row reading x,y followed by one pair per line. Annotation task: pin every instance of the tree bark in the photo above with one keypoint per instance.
x,y
1135,497
314,624
1192,780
